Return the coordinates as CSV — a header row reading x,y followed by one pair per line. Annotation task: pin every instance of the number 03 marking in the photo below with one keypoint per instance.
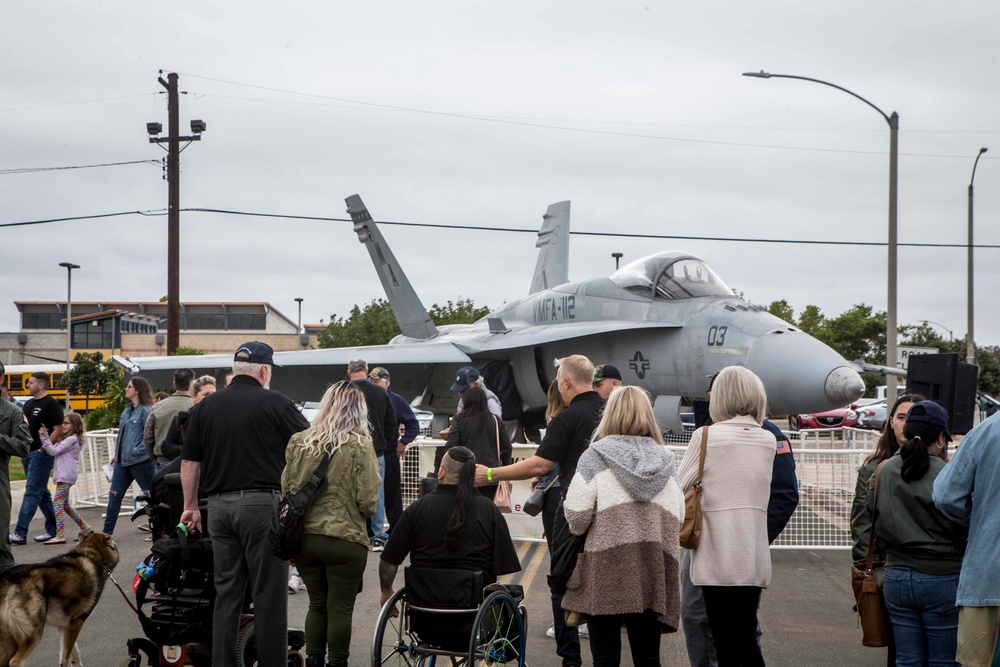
x,y
717,336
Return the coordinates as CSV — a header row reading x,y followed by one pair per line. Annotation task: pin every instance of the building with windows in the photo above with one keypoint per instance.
x,y
138,329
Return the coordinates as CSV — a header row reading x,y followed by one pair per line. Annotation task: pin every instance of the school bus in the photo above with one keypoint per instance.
x,y
17,383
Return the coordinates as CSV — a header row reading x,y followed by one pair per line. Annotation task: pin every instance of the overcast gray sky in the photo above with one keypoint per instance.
x,y
635,111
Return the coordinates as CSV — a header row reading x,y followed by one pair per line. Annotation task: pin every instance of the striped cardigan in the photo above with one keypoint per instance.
x,y
626,497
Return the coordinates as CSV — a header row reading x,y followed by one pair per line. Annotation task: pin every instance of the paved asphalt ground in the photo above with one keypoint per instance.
x,y
805,614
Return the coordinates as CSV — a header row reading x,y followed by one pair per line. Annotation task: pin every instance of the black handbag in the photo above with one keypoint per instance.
x,y
288,525
567,547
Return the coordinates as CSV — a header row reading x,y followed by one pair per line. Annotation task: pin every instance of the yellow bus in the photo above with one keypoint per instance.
x,y
16,378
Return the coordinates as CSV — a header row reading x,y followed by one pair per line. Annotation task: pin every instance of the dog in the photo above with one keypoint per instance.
x,y
61,592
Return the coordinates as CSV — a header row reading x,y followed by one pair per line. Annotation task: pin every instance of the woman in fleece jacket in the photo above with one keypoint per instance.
x,y
626,498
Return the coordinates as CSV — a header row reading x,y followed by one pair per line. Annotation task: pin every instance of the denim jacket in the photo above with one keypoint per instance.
x,y
975,467
131,447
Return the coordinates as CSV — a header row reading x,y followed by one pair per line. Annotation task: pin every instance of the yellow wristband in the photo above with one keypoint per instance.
x,y
489,474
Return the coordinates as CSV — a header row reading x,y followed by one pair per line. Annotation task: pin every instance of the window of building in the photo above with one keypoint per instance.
x,y
42,321
97,334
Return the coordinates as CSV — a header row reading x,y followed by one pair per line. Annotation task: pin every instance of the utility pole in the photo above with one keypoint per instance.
x,y
173,141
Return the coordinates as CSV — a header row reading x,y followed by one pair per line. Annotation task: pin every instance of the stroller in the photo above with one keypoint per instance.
x,y
175,584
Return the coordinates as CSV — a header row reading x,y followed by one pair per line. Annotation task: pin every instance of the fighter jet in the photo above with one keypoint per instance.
x,y
667,321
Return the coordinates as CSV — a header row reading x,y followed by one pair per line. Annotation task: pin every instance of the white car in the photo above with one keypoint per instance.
x,y
309,410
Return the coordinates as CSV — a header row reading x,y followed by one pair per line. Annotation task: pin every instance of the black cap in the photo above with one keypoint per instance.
x,y
929,412
465,377
255,352
606,372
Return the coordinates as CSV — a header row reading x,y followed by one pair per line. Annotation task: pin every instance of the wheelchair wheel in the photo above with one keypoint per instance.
x,y
391,643
246,645
498,632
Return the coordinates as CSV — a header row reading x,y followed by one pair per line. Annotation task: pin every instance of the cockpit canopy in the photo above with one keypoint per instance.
x,y
670,275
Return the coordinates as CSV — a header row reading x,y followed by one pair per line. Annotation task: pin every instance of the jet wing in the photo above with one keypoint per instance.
x,y
305,374
543,334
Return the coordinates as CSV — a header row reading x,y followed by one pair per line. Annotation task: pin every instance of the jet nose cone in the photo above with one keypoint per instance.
x,y
844,386
801,374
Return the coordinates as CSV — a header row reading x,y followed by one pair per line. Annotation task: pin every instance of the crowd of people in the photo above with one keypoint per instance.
x,y
604,477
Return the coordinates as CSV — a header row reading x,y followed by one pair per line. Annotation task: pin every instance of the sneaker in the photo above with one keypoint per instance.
x,y
19,540
44,537
378,545
295,584
583,630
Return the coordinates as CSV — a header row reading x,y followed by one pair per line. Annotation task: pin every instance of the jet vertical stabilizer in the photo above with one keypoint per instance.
x,y
410,313
552,267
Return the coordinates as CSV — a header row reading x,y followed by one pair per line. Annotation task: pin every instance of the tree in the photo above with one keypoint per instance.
x,y
375,324
782,310
90,376
188,351
463,312
811,320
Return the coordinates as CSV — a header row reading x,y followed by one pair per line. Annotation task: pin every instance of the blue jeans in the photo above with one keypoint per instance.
x,y
924,616
378,520
37,470
121,479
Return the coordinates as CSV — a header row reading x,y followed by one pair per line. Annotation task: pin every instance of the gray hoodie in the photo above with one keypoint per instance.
x,y
640,464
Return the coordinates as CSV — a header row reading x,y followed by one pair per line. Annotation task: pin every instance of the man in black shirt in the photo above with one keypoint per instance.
x,y
234,446
384,426
41,410
15,440
566,438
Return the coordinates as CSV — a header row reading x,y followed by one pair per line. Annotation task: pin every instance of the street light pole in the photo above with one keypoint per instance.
x,y
951,335
69,316
970,339
893,122
298,300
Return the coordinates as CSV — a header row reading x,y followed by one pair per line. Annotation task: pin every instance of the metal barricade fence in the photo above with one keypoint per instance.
x,y
92,484
826,479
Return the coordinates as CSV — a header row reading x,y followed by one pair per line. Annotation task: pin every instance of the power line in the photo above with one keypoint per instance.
x,y
549,126
62,104
516,230
31,170
82,217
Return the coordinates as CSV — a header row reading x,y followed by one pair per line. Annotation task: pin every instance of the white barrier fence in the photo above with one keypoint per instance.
x,y
826,465
826,480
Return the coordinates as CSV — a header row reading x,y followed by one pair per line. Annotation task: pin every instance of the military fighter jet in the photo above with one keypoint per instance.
x,y
666,320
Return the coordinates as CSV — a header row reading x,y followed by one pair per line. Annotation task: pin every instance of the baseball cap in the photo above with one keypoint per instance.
x,y
255,352
929,412
378,373
606,372
465,376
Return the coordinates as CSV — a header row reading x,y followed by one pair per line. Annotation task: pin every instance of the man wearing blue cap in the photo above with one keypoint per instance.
x,y
234,447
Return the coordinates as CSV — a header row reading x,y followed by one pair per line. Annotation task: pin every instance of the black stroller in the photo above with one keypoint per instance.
x,y
175,584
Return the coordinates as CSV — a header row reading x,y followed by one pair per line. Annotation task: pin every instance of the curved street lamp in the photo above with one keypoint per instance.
x,y
951,336
970,339
893,121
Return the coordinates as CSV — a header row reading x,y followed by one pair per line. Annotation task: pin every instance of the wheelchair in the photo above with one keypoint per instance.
x,y
443,613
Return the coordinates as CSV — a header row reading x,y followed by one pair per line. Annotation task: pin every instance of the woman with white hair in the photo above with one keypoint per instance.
x,y
335,544
732,563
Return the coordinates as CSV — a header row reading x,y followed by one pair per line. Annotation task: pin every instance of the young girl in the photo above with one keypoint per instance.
x,y
67,463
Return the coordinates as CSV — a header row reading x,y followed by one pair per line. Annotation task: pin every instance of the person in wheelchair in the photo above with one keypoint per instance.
x,y
457,541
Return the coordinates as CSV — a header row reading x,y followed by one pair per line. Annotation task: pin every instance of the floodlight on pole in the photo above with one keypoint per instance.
x,y
69,317
893,122
970,339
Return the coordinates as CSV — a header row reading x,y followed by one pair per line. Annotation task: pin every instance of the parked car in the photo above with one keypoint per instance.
x,y
872,416
839,418
309,410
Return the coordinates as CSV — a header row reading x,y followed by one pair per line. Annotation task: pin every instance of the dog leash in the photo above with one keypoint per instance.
x,y
127,601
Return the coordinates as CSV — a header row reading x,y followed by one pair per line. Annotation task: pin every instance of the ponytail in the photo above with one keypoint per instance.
x,y
916,457
462,461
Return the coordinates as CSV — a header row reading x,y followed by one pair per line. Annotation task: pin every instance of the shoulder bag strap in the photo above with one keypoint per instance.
x,y
871,533
496,423
701,462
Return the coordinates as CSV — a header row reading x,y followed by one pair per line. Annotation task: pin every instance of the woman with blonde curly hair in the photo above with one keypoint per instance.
x,y
335,546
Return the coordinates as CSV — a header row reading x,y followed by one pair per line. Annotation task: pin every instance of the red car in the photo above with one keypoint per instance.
x,y
841,417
